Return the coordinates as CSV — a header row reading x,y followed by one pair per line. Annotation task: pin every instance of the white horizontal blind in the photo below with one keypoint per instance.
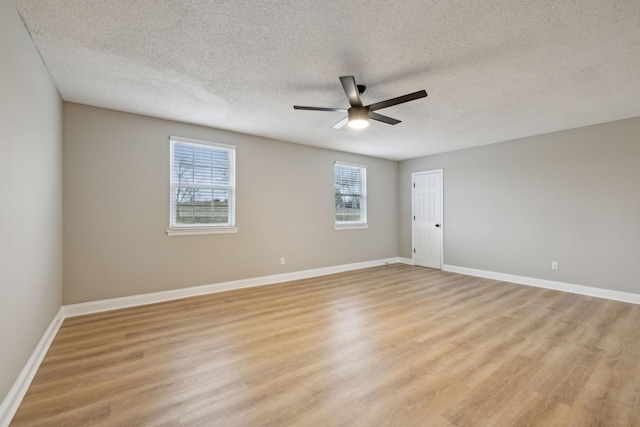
x,y
350,182
202,184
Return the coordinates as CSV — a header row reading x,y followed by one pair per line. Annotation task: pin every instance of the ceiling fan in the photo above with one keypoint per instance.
x,y
358,115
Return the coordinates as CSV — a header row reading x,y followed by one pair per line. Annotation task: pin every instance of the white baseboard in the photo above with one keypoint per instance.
x,y
12,401
548,284
155,297
408,261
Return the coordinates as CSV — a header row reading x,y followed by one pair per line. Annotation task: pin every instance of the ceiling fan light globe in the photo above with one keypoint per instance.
x,y
358,117
358,123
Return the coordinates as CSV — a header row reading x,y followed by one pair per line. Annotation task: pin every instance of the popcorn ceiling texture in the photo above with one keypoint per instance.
x,y
494,70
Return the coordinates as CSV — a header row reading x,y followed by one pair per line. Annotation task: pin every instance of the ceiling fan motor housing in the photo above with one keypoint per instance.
x,y
359,113
358,117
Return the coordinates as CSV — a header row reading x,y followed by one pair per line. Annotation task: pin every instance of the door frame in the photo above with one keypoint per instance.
x,y
442,227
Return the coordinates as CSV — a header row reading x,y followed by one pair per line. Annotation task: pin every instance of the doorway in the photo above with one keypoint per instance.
x,y
427,224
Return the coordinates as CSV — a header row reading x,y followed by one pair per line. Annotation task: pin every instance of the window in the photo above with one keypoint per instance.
x,y
202,187
350,183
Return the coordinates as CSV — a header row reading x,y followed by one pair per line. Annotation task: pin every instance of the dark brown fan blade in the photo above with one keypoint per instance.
x,y
351,90
398,100
340,110
384,119
341,123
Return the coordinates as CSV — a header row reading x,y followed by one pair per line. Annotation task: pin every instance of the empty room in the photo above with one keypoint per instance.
x,y
289,213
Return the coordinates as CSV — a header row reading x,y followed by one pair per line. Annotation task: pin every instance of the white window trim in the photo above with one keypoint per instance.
x,y
193,230
353,165
353,225
172,232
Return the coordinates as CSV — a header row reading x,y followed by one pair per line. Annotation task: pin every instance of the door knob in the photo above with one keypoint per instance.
x,y
437,225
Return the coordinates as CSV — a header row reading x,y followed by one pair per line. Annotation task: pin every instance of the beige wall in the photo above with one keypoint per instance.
x,y
513,207
30,197
116,195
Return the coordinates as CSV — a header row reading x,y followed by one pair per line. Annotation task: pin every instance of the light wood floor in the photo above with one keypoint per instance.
x,y
386,346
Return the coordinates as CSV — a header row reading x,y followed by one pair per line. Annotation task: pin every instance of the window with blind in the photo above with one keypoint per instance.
x,y
202,187
350,183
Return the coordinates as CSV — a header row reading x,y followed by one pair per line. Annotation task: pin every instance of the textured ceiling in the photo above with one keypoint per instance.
x,y
494,70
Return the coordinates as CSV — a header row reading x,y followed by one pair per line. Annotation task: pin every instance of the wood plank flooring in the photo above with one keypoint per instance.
x,y
386,346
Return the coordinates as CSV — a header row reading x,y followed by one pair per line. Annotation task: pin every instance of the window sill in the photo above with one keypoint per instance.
x,y
350,226
196,231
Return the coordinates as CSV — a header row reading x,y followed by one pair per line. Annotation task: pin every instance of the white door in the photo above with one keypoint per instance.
x,y
427,218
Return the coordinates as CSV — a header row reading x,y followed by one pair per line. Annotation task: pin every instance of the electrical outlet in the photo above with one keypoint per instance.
x,y
554,265
282,261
